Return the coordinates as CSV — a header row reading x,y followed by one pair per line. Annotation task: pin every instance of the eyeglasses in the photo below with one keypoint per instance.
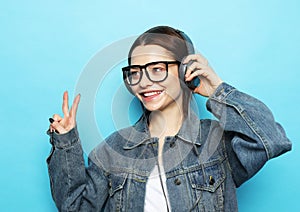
x,y
155,72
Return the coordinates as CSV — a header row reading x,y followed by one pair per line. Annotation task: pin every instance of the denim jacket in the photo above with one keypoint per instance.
x,y
204,162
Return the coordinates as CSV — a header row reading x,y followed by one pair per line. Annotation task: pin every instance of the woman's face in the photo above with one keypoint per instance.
x,y
157,95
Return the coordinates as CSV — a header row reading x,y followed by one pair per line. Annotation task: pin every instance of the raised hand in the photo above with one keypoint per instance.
x,y
64,124
200,68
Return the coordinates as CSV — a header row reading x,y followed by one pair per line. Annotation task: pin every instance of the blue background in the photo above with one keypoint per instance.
x,y
45,45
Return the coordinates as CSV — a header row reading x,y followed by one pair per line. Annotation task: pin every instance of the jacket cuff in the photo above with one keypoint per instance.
x,y
215,102
222,92
64,140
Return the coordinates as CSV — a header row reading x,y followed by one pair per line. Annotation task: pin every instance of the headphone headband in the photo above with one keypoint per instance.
x,y
188,42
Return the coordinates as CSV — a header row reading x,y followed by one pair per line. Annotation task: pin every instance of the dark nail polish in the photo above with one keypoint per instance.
x,y
51,120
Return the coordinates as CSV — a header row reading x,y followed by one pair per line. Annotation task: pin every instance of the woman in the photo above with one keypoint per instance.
x,y
169,160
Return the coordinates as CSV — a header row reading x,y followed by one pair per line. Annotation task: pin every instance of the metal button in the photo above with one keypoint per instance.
x,y
172,144
154,144
177,181
219,92
211,180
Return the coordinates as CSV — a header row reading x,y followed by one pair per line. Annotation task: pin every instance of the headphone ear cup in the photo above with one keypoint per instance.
x,y
190,84
128,88
182,70
126,84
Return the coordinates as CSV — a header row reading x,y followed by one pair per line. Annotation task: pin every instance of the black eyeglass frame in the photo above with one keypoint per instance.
x,y
126,69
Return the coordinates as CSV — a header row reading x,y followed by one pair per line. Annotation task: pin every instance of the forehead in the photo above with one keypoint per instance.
x,y
149,53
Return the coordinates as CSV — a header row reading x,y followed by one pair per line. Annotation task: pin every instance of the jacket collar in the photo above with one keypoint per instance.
x,y
188,132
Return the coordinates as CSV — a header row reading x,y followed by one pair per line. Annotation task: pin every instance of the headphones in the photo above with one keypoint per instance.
x,y
194,83
189,43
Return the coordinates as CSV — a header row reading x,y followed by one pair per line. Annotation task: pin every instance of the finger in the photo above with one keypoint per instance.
x,y
51,129
197,57
58,127
57,117
65,105
197,73
194,66
73,110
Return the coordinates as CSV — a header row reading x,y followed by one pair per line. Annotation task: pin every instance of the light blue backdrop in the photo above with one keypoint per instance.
x,y
45,46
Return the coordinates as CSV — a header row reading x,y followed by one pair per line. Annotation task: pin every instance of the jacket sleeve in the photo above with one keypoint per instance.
x,y
74,187
251,134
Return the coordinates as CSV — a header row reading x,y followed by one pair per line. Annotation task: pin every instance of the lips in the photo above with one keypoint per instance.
x,y
150,95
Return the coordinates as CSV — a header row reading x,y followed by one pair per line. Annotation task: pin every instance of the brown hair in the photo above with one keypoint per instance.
x,y
167,37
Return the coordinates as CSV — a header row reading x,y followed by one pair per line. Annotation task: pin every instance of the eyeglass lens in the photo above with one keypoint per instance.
x,y
155,72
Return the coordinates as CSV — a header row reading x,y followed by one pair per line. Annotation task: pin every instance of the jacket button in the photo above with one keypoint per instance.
x,y
211,180
154,144
219,92
177,181
172,144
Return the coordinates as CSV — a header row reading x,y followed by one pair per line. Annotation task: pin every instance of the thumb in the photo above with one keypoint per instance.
x,y
58,127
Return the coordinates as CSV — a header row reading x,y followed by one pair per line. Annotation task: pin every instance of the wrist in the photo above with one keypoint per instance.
x,y
64,140
215,87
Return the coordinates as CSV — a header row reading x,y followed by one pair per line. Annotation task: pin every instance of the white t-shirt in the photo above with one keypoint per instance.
x,y
155,199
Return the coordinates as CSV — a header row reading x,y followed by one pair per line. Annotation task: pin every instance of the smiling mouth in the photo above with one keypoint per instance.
x,y
150,95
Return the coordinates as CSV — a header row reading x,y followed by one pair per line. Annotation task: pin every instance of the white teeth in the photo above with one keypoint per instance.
x,y
152,93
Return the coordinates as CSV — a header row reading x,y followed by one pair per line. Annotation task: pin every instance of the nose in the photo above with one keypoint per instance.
x,y
145,81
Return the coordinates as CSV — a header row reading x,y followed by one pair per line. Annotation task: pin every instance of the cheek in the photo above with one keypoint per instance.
x,y
172,85
132,89
173,77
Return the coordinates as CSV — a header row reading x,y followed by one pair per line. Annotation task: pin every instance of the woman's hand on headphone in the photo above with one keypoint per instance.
x,y
200,68
64,124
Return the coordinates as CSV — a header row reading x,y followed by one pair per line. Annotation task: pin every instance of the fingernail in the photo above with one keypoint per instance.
x,y
51,120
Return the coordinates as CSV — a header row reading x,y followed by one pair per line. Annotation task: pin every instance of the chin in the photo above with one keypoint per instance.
x,y
152,107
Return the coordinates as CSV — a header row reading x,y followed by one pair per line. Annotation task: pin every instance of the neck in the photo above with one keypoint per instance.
x,y
166,122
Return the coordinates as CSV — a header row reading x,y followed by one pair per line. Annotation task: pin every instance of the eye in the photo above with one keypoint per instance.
x,y
134,73
157,68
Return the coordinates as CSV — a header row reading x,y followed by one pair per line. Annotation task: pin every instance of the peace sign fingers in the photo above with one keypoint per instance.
x,y
65,105
68,122
73,110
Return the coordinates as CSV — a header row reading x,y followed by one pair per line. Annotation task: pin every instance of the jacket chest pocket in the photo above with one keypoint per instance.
x,y
116,183
207,185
